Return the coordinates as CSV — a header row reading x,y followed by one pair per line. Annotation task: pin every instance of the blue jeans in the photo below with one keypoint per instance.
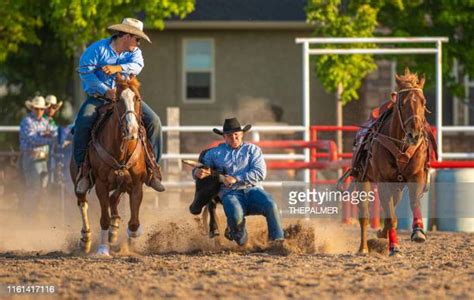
x,y
252,201
87,116
35,173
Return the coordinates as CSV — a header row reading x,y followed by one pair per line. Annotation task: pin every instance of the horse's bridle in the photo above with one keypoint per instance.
x,y
399,109
122,124
124,115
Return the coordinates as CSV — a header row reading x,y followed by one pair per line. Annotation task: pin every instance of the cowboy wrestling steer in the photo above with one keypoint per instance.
x,y
241,196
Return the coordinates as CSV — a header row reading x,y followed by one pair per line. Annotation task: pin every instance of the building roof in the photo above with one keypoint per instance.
x,y
249,10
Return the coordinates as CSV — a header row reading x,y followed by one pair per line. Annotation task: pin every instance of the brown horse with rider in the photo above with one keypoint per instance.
x,y
117,161
395,153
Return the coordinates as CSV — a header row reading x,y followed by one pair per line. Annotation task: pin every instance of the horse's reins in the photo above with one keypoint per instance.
x,y
379,133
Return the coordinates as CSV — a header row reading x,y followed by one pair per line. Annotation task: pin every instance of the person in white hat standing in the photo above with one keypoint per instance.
x,y
35,137
98,65
53,107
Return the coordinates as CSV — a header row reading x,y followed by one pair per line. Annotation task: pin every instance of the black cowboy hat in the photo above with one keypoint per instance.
x,y
230,126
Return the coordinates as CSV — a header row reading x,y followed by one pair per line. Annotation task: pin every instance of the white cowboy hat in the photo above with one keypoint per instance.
x,y
51,100
37,102
132,26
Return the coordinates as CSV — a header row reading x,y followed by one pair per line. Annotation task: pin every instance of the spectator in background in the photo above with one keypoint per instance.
x,y
53,108
35,137
54,152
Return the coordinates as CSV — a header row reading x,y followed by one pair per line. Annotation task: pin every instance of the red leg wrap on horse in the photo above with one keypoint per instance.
x,y
392,237
417,219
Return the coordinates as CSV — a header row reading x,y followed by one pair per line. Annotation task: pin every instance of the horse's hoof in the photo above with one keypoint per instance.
x,y
103,250
381,234
135,234
217,242
85,245
227,234
363,251
418,235
395,251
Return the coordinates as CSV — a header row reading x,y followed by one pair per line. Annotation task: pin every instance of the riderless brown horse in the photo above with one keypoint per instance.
x,y
117,159
399,147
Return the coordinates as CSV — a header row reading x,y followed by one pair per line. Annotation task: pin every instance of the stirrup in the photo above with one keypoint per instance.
x,y
154,181
156,184
82,184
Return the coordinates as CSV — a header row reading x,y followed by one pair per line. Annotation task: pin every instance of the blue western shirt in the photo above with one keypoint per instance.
x,y
100,54
246,164
32,134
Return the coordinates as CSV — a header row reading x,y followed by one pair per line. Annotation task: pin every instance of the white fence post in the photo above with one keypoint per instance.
x,y
173,167
172,141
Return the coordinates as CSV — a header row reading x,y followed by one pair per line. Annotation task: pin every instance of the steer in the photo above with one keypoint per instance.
x,y
206,194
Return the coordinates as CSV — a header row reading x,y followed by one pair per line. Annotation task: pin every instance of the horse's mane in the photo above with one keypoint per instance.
x,y
134,85
131,83
409,80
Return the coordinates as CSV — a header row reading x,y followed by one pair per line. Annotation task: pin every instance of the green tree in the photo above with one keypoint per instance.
x,y
38,40
76,23
79,22
450,18
343,74
18,24
403,18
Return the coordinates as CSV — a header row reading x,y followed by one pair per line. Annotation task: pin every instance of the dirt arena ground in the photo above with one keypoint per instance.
x,y
174,259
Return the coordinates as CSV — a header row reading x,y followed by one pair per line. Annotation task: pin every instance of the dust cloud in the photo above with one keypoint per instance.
x,y
55,226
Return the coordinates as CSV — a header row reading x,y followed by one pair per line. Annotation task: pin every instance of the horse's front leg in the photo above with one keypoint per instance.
x,y
134,229
386,193
364,217
397,193
416,190
103,195
115,219
86,239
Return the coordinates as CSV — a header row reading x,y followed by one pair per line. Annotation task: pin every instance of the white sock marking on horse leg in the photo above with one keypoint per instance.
x,y
104,248
104,236
135,234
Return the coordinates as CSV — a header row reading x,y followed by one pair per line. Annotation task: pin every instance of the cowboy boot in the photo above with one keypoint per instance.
x,y
154,179
240,235
82,180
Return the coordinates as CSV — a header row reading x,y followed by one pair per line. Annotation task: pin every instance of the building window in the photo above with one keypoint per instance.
x,y
463,109
198,71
